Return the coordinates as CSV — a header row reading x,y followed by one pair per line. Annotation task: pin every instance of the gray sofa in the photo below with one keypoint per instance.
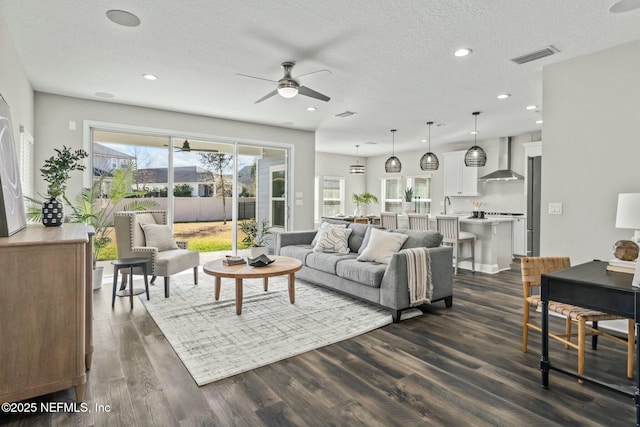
x,y
382,284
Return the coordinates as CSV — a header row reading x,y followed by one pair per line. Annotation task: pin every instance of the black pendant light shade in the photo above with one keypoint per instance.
x,y
393,165
429,161
475,156
357,168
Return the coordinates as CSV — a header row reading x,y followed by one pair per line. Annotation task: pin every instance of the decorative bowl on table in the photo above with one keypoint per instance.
x,y
261,261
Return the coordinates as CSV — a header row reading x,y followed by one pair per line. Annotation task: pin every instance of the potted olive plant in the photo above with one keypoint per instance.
x,y
56,172
362,199
257,236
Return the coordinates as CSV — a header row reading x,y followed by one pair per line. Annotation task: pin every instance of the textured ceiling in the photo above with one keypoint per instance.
x,y
391,62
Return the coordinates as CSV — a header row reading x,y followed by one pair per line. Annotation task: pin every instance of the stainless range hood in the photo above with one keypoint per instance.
x,y
504,172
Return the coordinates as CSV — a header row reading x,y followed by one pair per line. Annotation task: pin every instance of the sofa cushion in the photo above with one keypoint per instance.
x,y
326,261
421,239
159,236
367,236
382,245
358,235
298,252
324,226
366,273
333,239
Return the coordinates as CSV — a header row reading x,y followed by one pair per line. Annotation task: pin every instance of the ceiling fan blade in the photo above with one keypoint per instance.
x,y
257,78
313,72
267,96
303,90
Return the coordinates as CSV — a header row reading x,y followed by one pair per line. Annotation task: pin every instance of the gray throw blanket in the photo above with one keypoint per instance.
x,y
419,276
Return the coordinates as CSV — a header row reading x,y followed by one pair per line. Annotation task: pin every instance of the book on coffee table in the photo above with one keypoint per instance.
x,y
233,260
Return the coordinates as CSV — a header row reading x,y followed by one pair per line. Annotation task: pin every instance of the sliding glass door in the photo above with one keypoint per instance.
x,y
206,186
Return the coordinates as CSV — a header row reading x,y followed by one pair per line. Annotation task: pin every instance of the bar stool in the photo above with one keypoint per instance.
x,y
129,263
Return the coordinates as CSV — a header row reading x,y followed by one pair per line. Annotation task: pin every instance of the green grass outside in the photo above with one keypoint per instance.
x,y
196,243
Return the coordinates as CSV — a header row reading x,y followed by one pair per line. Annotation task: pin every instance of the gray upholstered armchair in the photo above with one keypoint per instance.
x,y
142,235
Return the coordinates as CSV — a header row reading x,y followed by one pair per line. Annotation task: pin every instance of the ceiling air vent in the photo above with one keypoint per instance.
x,y
534,56
345,114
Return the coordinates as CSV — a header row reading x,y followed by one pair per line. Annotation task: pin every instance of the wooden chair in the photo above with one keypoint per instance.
x,y
532,269
449,227
389,220
418,221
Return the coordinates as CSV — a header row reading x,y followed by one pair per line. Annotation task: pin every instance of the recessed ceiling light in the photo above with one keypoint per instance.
x,y
150,76
538,121
532,107
462,52
473,132
423,140
625,6
124,18
504,96
104,95
311,108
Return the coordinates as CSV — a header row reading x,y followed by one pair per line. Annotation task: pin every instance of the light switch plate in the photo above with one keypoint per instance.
x,y
299,202
555,208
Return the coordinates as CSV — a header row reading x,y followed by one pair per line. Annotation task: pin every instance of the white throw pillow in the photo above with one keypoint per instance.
x,y
324,226
333,239
159,236
382,245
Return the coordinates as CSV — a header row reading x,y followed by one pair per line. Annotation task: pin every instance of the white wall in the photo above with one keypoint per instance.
x,y
590,150
14,84
53,114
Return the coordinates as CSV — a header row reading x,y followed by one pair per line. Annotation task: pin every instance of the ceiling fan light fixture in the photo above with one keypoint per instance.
x,y
429,161
475,156
393,164
287,90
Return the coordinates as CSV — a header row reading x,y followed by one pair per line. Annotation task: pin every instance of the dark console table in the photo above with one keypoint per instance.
x,y
591,285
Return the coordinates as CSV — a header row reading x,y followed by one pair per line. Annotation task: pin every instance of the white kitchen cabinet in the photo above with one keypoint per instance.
x,y
459,180
518,234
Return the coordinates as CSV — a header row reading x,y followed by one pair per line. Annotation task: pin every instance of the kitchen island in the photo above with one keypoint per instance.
x,y
493,250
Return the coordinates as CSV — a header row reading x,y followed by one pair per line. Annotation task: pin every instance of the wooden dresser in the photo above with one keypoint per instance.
x,y
45,311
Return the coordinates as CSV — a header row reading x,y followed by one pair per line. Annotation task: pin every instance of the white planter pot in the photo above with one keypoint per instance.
x,y
256,251
98,272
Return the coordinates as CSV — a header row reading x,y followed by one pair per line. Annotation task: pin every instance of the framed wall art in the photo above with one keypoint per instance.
x,y
12,212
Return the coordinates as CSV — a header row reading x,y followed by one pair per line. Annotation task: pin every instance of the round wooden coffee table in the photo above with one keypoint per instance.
x,y
281,266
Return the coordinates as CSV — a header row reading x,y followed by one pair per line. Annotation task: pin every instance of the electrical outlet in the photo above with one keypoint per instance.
x,y
555,208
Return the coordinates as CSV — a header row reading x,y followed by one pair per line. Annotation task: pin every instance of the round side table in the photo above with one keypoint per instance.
x,y
129,263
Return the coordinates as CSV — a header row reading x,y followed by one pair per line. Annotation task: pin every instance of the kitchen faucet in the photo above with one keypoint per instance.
x,y
446,200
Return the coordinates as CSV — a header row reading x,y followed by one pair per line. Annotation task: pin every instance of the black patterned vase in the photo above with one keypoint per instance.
x,y
52,213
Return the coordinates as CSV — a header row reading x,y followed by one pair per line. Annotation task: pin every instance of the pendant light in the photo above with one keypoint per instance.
x,y
393,165
475,156
357,168
429,162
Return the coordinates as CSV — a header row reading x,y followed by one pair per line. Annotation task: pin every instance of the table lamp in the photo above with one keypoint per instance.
x,y
628,216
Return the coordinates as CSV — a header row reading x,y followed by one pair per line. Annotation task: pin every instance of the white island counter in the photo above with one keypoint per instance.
x,y
493,244
494,250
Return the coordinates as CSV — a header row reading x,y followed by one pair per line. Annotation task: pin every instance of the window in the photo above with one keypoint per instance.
x,y
332,196
392,195
421,186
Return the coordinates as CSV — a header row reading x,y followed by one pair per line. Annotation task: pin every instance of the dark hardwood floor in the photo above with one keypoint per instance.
x,y
461,366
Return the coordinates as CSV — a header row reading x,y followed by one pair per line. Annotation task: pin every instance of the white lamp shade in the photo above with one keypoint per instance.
x,y
628,214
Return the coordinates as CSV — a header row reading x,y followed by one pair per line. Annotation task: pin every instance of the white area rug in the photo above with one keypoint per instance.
x,y
214,343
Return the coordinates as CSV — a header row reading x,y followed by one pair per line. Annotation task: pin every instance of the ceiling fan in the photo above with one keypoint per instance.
x,y
186,148
288,86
